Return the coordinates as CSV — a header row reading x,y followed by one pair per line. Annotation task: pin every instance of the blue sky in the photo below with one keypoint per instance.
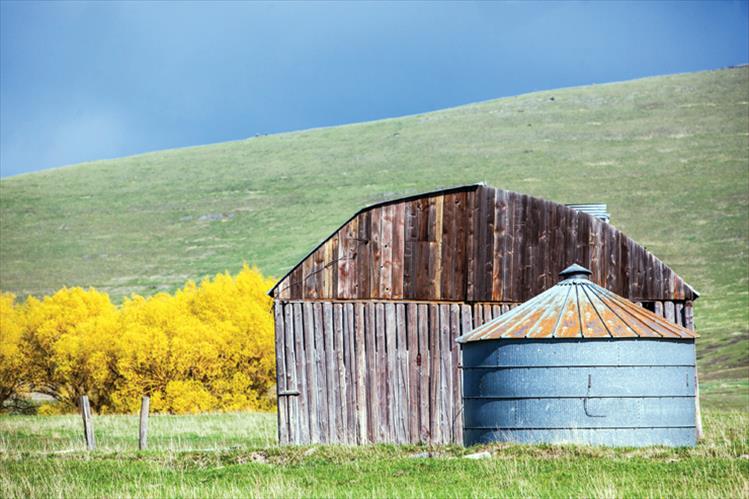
x,y
86,81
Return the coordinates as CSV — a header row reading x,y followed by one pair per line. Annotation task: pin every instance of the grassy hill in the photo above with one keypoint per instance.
x,y
670,156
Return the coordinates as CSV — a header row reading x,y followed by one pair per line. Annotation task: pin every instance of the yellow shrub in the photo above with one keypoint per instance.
x,y
53,409
205,347
188,397
69,346
215,339
12,363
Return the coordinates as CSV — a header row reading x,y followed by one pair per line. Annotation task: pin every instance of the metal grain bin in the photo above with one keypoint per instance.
x,y
579,364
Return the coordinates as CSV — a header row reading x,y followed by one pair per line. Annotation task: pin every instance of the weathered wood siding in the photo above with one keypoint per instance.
x,y
474,244
361,372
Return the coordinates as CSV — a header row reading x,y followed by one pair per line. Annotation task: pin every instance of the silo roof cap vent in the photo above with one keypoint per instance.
x,y
575,271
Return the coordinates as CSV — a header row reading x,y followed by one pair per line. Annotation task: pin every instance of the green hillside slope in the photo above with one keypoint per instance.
x,y
670,156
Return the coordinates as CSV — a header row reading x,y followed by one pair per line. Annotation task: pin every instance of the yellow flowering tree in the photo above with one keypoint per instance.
x,y
12,364
68,344
207,347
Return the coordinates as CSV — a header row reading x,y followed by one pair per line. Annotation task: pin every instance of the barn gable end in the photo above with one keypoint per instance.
x,y
474,244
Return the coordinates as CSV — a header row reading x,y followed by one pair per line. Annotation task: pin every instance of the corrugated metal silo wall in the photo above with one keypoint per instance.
x,y
623,392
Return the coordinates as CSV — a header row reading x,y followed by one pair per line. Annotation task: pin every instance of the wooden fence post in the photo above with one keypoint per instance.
x,y
143,433
88,424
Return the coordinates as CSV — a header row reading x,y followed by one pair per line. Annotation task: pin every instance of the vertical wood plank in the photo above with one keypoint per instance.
x,y
301,375
436,224
481,246
402,382
478,315
660,280
508,246
446,373
624,263
392,371
349,360
297,284
398,251
363,257
321,363
383,428
331,375
560,240
328,269
456,396
583,236
291,379
447,248
531,247
341,263
347,253
340,373
610,264
409,251
372,374
658,308
466,323
386,252
472,229
545,280
375,252
413,371
319,269
434,374
668,311
496,311
458,284
361,375
489,229
311,359
487,312
423,365
466,319
282,291
283,408
500,243
309,277
679,313
689,316
518,251
639,272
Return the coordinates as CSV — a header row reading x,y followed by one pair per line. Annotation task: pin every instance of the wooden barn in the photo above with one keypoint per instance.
x,y
366,323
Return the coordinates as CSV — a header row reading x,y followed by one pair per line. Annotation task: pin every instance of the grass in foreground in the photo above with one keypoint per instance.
x,y
43,456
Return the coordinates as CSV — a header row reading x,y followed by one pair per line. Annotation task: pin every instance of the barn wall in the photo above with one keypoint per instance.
x,y
357,372
478,244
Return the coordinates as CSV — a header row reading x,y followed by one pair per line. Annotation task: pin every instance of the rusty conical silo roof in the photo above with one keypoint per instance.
x,y
577,308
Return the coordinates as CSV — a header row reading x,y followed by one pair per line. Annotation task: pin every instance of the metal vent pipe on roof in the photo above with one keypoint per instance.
x,y
598,210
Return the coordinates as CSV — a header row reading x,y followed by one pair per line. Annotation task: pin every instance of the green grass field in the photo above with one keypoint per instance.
x,y
234,455
670,156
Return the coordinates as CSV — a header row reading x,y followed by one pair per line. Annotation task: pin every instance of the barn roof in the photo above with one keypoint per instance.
x,y
473,243
577,308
